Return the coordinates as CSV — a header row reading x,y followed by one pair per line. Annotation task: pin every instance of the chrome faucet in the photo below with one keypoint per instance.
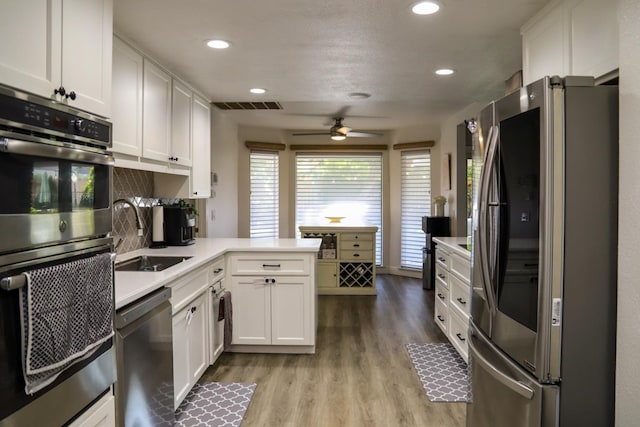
x,y
135,211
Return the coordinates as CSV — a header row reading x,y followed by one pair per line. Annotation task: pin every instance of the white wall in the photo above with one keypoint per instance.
x,y
628,337
222,207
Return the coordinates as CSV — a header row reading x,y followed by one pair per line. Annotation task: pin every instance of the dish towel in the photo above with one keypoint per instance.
x,y
66,312
228,316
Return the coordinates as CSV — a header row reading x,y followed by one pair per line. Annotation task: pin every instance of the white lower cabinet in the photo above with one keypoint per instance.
x,y
453,294
276,307
190,326
100,414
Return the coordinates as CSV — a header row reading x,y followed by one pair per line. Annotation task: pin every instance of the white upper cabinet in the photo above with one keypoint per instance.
x,y
180,152
571,37
127,99
156,113
201,140
67,49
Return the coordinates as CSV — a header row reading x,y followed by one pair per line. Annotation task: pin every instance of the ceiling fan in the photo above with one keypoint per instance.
x,y
339,132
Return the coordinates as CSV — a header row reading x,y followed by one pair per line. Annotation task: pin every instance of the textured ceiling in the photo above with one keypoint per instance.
x,y
311,54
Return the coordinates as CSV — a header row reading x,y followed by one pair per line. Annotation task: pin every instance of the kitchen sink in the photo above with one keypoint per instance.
x,y
150,263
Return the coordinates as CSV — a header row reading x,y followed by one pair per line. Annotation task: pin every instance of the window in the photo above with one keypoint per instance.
x,y
415,202
340,185
264,194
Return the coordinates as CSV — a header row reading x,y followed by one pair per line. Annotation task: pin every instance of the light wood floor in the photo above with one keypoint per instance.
x,y
361,374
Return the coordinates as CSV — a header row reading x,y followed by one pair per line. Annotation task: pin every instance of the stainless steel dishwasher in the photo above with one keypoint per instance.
x,y
144,356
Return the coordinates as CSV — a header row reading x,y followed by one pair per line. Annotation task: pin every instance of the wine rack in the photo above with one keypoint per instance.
x,y
356,274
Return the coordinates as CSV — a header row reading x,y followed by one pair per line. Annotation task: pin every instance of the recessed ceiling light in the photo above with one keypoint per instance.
x,y
359,95
258,90
445,72
218,44
425,8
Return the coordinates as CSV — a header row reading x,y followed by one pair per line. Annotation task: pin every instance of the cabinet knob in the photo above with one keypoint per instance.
x,y
195,193
60,91
273,280
71,95
193,309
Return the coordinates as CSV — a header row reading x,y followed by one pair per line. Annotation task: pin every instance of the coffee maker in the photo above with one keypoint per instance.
x,y
180,225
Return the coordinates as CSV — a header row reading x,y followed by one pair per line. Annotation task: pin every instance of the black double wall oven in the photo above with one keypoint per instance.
x,y
55,214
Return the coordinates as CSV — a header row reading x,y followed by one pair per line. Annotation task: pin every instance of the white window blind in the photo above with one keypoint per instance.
x,y
416,202
264,194
340,185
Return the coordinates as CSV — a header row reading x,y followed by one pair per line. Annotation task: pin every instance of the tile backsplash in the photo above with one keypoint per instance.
x,y
137,187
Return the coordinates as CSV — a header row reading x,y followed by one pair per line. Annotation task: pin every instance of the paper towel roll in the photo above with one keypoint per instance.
x,y
158,224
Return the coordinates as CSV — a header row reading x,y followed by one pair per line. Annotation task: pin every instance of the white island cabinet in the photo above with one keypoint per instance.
x,y
453,291
273,302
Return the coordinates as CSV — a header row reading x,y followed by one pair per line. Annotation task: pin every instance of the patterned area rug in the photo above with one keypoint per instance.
x,y
215,405
443,373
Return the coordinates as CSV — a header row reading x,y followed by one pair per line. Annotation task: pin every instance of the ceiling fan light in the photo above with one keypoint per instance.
x,y
425,8
338,137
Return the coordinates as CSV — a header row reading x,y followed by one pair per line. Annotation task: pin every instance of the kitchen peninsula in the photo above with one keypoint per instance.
x,y
273,292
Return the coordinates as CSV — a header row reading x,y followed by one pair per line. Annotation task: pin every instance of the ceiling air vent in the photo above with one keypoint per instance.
x,y
271,105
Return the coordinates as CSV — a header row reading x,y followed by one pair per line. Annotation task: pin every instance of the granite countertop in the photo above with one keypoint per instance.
x,y
453,244
132,285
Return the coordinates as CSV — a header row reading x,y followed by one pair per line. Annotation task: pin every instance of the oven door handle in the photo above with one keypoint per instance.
x,y
11,283
27,148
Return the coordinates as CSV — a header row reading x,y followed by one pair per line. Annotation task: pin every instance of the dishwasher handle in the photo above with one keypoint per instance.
x,y
137,309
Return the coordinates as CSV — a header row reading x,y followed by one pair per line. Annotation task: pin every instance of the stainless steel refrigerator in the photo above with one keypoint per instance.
x,y
543,311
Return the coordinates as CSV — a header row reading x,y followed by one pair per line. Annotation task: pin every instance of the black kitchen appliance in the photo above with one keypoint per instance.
x,y
180,225
433,226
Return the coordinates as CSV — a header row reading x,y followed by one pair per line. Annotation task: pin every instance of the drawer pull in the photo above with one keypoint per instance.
x,y
460,337
441,297
356,255
461,301
270,265
217,270
442,276
356,245
442,259
440,318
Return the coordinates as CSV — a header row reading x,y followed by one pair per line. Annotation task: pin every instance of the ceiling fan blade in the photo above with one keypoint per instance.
x,y
310,133
343,130
363,134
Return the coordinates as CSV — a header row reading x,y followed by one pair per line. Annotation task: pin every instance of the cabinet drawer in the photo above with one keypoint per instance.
x,y
443,258
277,265
458,334
441,316
356,255
216,270
442,275
460,295
442,293
356,236
184,290
358,245
460,266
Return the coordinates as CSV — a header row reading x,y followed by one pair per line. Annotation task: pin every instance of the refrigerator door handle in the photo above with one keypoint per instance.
x,y
485,233
518,387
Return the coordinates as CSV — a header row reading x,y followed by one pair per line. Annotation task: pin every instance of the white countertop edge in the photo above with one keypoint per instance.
x,y
452,243
340,227
202,252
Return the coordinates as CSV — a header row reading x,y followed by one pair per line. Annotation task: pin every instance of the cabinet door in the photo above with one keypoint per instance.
x,y
127,99
31,62
156,113
327,275
198,338
87,35
201,146
181,373
251,297
180,152
291,316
